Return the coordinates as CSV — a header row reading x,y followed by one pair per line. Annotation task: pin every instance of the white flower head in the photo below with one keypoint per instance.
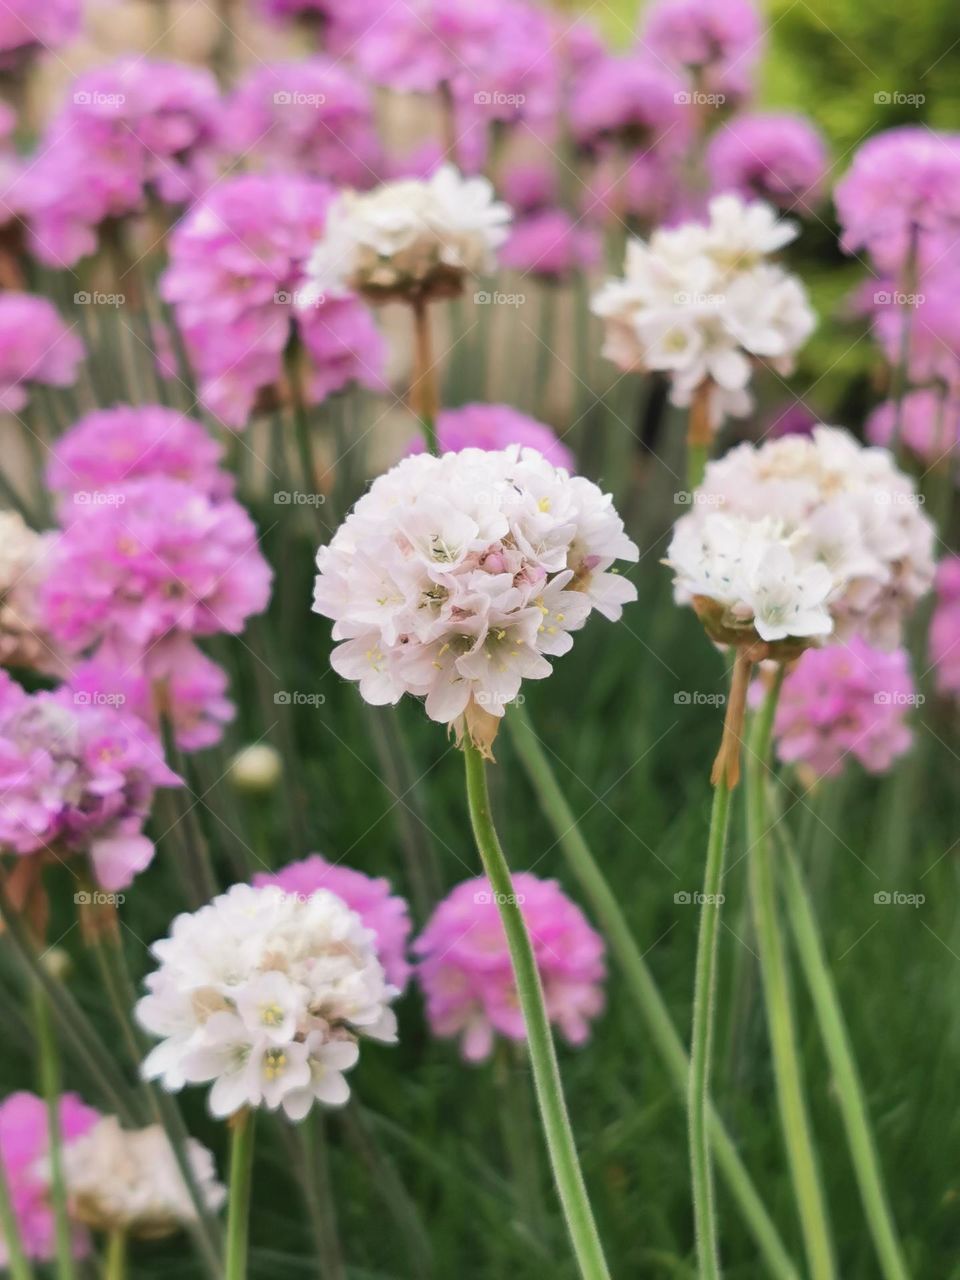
x,y
454,579
414,238
23,554
129,1180
265,994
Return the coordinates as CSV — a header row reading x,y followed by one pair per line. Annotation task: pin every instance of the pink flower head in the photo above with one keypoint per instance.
x,y
930,425
530,188
237,263
312,117
632,100
496,426
415,46
778,158
77,777
517,75
24,1146
932,320
719,41
550,245
945,627
130,132
903,183
35,346
466,974
381,910
843,701
159,560
108,448
28,26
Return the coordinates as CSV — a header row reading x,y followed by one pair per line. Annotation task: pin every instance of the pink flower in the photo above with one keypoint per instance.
x,y
382,911
530,188
517,75
236,265
465,969
159,560
495,426
930,426
106,449
932,319
845,700
416,46
28,26
550,245
35,346
24,1145
312,117
718,40
945,627
778,158
77,778
632,100
134,131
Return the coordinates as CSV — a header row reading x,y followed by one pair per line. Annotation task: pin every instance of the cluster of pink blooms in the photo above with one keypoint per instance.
x,y
27,28
550,245
77,777
845,701
35,347
371,898
930,424
717,42
778,158
465,971
945,627
236,269
496,426
131,132
24,1145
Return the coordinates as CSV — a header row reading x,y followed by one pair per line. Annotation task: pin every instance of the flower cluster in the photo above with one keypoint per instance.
x,y
632,100
945,628
493,427
717,41
700,302
128,1180
135,131
77,777
409,239
930,425
778,158
456,578
465,971
236,266
843,506
845,701
35,347
24,1143
27,27
265,993
384,913
551,246
23,638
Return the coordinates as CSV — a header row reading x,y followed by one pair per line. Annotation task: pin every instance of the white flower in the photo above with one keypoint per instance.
x,y
128,1180
455,578
258,992
849,508
23,552
408,238
701,303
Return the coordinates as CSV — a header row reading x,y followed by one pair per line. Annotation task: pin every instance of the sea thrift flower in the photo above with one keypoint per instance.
x,y
236,264
311,117
456,578
24,1142
385,914
518,73
28,27
930,425
945,627
845,701
932,323
493,427
77,777
23,558
265,994
701,302
128,1180
778,158
631,100
550,246
159,560
718,41
409,239
420,45
132,132
110,447
844,506
466,974
35,347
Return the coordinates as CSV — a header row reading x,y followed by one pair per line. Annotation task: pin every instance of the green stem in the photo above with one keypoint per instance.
x,y
846,1077
115,1257
319,1190
640,983
794,1118
17,1264
543,1059
242,1128
50,1091
701,1037
425,375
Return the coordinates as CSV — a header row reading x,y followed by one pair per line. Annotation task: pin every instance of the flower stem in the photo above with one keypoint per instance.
x,y
794,1118
641,984
242,1127
704,990
543,1059
424,388
699,435
50,1091
115,1258
17,1264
